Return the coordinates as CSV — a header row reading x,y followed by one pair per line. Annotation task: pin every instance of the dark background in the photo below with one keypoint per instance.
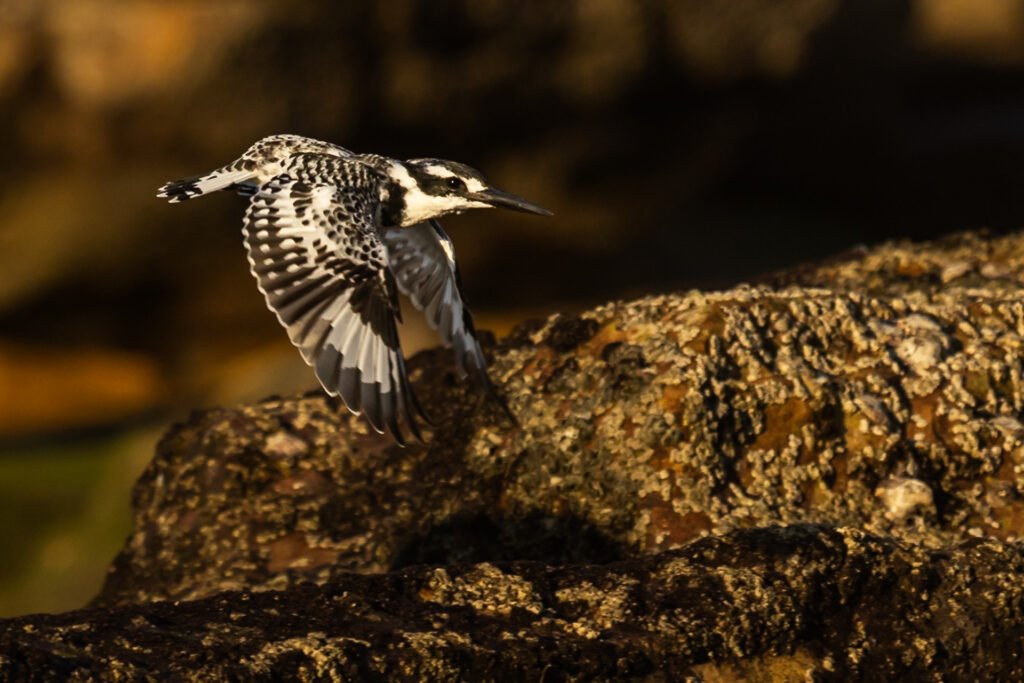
x,y
688,143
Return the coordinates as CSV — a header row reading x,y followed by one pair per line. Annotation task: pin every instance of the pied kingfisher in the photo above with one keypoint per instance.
x,y
331,236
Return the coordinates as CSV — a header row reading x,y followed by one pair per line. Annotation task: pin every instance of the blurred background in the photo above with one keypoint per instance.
x,y
680,143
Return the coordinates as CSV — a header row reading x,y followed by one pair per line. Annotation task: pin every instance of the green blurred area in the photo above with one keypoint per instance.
x,y
64,514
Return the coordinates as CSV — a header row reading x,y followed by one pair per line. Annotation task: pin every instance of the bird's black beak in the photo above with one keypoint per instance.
x,y
504,200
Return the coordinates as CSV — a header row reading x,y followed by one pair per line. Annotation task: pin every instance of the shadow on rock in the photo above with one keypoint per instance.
x,y
480,537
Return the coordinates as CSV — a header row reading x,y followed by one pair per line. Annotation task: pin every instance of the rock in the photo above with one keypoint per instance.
x,y
643,425
957,263
748,483
797,603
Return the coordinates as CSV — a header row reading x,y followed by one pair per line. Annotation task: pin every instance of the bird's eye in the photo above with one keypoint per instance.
x,y
455,183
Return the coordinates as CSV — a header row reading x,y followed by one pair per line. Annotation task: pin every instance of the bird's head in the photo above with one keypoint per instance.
x,y
432,188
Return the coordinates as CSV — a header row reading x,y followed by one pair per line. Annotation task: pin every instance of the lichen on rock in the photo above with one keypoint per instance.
x,y
757,406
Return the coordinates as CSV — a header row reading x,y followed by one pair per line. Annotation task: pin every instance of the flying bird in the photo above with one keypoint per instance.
x,y
332,237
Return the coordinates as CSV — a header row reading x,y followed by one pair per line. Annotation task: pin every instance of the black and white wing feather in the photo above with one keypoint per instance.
x,y
423,260
265,159
314,249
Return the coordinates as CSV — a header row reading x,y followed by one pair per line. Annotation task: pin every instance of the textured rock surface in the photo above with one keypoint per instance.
x,y
767,604
965,262
643,425
889,418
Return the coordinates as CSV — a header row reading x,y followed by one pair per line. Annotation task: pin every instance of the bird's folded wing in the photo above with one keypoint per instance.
x,y
423,260
314,249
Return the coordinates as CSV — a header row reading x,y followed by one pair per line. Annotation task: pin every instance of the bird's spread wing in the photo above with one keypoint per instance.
x,y
314,249
261,162
423,260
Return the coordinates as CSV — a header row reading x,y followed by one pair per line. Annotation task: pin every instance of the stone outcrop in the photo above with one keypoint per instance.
x,y
785,604
818,474
643,425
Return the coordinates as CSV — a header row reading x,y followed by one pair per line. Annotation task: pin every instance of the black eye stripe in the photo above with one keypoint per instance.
x,y
438,185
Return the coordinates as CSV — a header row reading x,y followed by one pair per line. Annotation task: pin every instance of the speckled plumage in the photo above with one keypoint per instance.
x,y
332,236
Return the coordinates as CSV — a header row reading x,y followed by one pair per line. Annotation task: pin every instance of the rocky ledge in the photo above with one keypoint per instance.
x,y
816,476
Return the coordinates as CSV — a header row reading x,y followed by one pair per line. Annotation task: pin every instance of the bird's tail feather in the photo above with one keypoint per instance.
x,y
227,178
